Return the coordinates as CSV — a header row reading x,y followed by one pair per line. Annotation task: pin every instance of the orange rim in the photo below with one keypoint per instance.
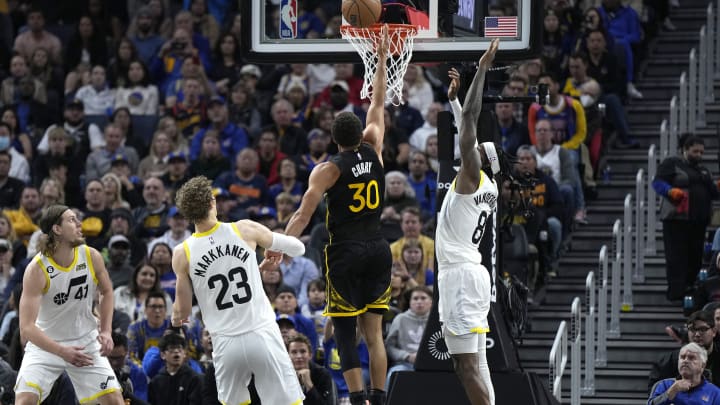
x,y
398,34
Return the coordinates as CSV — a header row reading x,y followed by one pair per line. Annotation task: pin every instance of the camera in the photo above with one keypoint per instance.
x,y
521,187
178,46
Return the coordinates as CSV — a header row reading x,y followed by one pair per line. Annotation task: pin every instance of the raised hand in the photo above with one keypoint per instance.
x,y
489,56
383,43
454,84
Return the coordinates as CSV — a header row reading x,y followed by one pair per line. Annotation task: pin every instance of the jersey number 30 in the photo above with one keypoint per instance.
x,y
240,285
366,195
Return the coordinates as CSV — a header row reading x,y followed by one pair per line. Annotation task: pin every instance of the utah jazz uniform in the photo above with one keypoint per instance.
x,y
65,315
357,257
464,284
226,280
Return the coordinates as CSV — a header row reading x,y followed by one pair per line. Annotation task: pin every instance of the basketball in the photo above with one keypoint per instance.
x,y
361,13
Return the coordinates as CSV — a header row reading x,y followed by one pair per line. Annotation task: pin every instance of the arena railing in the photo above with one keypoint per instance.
x,y
664,138
700,120
692,92
588,388
650,246
683,107
601,356
674,127
640,225
614,330
627,300
558,360
575,350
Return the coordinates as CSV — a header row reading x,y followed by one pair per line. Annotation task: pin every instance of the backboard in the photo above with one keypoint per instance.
x,y
308,31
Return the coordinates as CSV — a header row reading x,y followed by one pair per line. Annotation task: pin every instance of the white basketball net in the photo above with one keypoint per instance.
x,y
400,49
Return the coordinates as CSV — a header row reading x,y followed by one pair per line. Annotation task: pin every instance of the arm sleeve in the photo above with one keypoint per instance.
x,y
580,126
661,187
287,244
457,112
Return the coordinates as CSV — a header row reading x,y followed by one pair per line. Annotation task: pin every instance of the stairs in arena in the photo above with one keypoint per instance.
x,y
643,339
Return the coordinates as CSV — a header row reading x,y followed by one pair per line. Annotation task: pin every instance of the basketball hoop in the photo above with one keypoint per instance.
x,y
400,48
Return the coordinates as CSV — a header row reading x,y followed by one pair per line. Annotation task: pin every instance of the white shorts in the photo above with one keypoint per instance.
x,y
464,298
467,343
40,369
262,353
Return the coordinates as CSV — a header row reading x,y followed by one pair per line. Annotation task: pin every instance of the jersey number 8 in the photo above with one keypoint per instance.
x,y
371,199
224,281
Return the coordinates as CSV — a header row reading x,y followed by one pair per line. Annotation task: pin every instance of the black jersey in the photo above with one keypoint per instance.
x,y
355,201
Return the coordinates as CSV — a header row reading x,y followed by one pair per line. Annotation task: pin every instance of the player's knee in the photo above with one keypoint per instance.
x,y
465,367
26,398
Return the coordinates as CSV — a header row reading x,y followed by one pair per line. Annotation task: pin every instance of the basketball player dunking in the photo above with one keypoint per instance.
x,y
57,320
219,264
463,282
358,259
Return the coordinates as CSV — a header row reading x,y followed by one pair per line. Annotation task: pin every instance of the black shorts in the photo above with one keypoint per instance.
x,y
358,277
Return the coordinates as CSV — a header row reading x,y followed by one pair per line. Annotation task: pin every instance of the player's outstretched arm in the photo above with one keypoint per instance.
x,y
183,289
258,234
471,162
106,305
34,284
321,179
374,132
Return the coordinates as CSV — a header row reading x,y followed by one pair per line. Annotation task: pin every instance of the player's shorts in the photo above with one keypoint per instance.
x,y
260,352
464,298
358,277
40,369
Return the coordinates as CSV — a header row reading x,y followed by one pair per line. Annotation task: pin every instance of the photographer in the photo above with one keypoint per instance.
x,y
542,210
132,378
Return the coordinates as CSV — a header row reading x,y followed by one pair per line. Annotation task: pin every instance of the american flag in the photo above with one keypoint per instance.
x,y
501,26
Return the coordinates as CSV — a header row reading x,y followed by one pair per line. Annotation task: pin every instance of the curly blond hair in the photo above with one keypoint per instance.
x,y
193,199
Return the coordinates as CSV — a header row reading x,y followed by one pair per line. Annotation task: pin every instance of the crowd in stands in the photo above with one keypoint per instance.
x,y
109,106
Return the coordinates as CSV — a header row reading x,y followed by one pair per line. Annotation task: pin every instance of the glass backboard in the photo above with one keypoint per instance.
x,y
308,31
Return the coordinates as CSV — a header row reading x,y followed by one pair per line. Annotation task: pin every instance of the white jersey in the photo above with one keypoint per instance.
x,y
226,279
462,222
66,306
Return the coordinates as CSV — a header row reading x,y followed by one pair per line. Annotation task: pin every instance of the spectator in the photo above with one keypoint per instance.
x,y
97,95
191,67
297,95
155,163
398,196
120,63
243,111
517,86
146,39
418,139
10,187
166,66
406,331
315,381
232,138
177,233
512,132
602,64
315,306
210,162
423,182
9,90
288,182
168,125
49,74
119,261
189,113
6,263
297,75
19,167
297,273
292,139
396,149
343,72
687,191
269,156
36,37
692,386
96,215
184,20
701,331
121,221
153,361
556,43
130,184
286,324
131,377
318,142
137,94
130,298
623,23
177,172
419,92
151,219
83,137
176,383
272,280
226,66
286,304
51,193
99,162
21,141
404,116
87,48
24,218
146,333
411,226
409,266
248,187
161,258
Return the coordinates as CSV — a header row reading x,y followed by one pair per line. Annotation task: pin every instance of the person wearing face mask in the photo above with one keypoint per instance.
x,y
19,167
687,190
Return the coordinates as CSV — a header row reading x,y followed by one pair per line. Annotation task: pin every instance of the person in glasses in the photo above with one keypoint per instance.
x,y
701,330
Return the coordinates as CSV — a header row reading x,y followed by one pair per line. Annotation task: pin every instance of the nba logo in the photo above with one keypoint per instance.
x,y
288,19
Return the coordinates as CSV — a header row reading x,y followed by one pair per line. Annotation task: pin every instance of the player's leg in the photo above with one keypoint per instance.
x,y
37,374
484,367
468,371
275,377
232,381
371,326
96,383
346,340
